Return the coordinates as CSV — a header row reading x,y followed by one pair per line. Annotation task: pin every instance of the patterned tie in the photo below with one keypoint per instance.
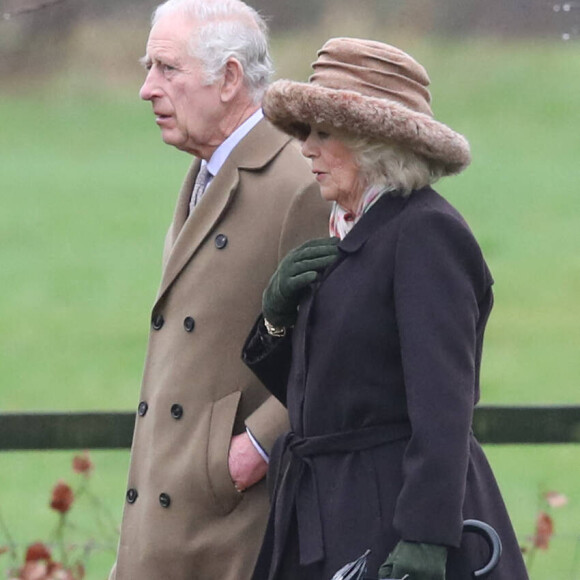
x,y
199,187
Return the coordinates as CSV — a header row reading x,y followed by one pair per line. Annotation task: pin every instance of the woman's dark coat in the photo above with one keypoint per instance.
x,y
380,391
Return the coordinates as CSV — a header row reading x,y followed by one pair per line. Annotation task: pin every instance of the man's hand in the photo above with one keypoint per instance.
x,y
247,466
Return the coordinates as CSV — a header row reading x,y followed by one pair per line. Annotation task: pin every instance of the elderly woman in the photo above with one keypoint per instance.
x,y
372,338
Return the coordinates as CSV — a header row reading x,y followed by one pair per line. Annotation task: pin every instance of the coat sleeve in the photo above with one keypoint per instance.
x,y
306,218
269,359
440,278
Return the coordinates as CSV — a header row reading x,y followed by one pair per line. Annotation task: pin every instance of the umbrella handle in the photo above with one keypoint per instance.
x,y
491,537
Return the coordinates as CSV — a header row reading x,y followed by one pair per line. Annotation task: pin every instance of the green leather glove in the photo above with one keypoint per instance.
x,y
419,561
295,272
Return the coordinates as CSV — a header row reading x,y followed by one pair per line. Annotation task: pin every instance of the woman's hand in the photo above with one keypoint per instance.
x,y
295,272
419,561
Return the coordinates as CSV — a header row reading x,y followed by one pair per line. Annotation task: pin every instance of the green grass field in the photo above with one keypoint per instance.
x,y
87,190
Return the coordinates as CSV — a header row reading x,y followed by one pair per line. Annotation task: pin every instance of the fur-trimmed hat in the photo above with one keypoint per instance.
x,y
368,89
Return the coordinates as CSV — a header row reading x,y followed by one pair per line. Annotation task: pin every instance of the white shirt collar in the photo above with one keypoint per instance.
x,y
223,151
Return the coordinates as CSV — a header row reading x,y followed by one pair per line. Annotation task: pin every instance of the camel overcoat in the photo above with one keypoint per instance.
x,y
380,376
183,519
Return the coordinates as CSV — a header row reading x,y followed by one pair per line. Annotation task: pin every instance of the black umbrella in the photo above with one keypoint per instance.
x,y
353,570
356,570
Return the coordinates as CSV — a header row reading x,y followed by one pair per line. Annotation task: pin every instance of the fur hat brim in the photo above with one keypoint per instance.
x,y
294,107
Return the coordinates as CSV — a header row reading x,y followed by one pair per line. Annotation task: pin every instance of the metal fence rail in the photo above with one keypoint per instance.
x,y
492,424
97,430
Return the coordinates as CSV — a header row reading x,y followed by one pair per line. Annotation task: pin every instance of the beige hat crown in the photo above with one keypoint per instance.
x,y
371,89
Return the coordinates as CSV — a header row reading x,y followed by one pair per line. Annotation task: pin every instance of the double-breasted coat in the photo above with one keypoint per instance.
x,y
380,376
183,519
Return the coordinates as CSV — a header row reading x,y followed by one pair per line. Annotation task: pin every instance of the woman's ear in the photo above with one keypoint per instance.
x,y
232,81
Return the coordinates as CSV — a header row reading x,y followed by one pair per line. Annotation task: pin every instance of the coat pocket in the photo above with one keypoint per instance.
x,y
221,429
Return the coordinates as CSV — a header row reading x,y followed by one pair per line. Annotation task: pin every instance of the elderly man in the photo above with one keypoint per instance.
x,y
196,502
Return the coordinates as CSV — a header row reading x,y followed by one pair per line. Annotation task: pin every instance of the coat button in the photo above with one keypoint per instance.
x,y
157,321
132,495
221,241
142,409
164,500
176,411
189,324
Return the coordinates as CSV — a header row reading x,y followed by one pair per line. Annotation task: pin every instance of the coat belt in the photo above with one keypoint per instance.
x,y
295,484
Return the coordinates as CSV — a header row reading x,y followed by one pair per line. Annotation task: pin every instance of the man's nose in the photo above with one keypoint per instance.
x,y
149,87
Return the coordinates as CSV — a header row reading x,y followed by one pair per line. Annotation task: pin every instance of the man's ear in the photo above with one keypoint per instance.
x,y
232,81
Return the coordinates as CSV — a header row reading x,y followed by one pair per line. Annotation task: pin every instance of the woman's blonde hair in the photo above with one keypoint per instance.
x,y
392,166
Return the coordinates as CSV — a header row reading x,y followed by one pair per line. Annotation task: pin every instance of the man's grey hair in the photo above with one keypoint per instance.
x,y
391,165
227,28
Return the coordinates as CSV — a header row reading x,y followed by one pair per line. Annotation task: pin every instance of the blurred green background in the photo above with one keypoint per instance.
x,y
87,190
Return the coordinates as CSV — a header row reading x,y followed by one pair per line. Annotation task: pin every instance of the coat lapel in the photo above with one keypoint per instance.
x,y
256,150
188,233
385,210
182,207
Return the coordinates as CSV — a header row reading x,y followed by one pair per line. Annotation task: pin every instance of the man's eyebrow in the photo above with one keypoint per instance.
x,y
145,61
